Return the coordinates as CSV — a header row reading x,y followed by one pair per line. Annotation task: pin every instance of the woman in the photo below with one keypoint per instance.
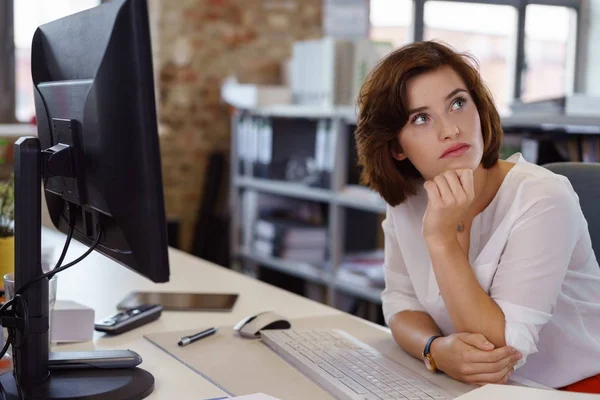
x,y
488,263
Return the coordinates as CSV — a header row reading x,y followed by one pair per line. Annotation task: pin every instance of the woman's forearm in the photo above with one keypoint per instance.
x,y
470,308
412,329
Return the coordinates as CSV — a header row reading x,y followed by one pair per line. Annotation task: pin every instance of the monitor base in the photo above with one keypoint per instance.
x,y
88,384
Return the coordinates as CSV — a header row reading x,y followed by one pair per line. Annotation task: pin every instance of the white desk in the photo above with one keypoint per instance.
x,y
101,283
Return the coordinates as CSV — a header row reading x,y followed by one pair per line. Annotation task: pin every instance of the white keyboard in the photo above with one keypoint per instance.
x,y
348,368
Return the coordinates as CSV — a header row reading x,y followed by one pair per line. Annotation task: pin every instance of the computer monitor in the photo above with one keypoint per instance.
x,y
94,91
97,152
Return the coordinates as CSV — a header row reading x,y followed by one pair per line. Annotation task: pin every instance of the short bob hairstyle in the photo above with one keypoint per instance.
x,y
383,112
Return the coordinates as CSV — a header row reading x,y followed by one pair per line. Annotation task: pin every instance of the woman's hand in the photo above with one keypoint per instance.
x,y
470,358
449,196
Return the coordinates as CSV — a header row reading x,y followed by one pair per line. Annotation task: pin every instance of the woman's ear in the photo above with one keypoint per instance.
x,y
399,156
396,150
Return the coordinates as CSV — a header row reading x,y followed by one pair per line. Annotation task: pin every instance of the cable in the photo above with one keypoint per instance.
x,y
55,271
9,303
49,275
20,300
66,246
70,218
11,339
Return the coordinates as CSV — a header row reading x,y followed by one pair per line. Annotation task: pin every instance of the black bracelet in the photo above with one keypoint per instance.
x,y
427,349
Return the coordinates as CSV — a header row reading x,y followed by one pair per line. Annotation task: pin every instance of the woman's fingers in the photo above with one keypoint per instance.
x,y
455,186
478,341
466,180
507,376
445,191
488,368
478,356
497,377
433,194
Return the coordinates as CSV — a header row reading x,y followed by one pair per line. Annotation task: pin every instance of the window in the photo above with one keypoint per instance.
x,y
493,33
485,31
549,55
391,21
28,15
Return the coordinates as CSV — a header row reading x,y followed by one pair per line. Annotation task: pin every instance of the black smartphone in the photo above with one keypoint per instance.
x,y
181,301
129,319
110,359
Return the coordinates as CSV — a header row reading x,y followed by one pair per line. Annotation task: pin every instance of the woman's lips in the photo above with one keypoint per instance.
x,y
456,150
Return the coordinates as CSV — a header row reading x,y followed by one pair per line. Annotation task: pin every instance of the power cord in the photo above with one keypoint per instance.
x,y
17,303
58,269
19,299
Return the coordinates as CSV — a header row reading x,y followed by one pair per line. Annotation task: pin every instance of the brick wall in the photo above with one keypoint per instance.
x,y
197,43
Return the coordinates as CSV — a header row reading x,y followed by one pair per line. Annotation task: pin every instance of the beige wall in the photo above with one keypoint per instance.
x,y
197,43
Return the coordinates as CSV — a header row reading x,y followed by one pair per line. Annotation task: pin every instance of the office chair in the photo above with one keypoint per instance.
x,y
584,178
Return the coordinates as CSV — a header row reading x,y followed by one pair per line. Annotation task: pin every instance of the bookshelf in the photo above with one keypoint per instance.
x,y
337,195
353,197
283,188
298,269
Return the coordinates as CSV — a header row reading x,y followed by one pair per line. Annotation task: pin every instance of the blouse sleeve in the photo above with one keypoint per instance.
x,y
534,262
399,293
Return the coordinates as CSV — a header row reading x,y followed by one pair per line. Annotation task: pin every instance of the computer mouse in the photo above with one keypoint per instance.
x,y
251,326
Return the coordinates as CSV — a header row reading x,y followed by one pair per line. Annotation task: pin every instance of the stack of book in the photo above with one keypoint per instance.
x,y
363,268
290,240
329,71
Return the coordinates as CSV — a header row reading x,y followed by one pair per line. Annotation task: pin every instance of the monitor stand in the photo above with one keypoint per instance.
x,y
110,384
31,358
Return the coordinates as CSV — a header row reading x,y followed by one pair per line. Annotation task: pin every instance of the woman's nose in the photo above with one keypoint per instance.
x,y
448,130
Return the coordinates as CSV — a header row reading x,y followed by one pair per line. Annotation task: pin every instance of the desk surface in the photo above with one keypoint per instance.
x,y
101,283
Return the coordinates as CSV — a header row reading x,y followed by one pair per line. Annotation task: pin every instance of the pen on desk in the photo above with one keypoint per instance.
x,y
184,341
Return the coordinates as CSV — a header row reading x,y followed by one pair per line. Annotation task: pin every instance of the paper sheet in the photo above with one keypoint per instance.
x,y
503,392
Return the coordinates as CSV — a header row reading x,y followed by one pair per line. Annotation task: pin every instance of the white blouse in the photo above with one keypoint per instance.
x,y
531,252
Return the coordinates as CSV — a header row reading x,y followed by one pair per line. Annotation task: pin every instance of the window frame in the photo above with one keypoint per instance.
x,y
418,32
8,94
7,66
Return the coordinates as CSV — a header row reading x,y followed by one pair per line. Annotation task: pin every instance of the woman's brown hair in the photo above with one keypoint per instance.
x,y
383,112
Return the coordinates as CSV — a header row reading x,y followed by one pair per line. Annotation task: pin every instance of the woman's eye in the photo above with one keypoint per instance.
x,y
458,103
420,119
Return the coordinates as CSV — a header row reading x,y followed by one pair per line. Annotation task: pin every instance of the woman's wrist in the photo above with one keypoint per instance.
x,y
434,350
441,243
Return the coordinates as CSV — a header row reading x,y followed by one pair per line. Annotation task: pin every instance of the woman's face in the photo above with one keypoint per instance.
x,y
443,130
